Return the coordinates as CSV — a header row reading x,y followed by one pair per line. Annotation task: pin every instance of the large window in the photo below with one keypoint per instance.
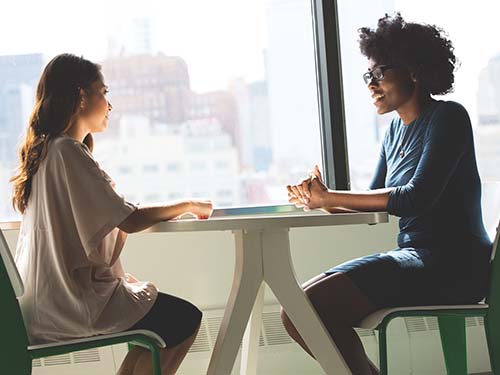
x,y
219,99
472,27
213,99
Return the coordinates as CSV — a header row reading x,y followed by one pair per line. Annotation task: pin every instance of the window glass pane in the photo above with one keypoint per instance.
x,y
477,80
215,99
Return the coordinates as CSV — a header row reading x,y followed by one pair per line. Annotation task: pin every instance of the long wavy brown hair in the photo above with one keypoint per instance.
x,y
57,104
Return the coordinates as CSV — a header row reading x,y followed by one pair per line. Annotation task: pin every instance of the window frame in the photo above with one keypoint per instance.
x,y
330,94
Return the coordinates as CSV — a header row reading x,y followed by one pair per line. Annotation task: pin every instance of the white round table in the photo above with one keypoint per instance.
x,y
263,255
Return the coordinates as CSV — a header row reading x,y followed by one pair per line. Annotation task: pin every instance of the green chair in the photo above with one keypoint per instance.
x,y
15,352
451,318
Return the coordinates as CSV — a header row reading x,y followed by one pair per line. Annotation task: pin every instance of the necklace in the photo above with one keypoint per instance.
x,y
401,150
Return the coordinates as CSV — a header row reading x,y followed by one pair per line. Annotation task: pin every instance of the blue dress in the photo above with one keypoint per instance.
x,y
443,254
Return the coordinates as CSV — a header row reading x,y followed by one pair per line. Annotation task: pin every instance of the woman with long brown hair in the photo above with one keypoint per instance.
x,y
74,226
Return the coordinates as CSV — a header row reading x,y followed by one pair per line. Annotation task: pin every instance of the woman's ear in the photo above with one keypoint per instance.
x,y
413,77
83,99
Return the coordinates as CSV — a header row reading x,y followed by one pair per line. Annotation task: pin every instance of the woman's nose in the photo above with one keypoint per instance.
x,y
110,107
373,83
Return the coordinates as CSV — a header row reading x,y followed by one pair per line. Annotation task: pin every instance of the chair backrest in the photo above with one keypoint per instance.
x,y
491,220
493,298
10,265
490,203
13,338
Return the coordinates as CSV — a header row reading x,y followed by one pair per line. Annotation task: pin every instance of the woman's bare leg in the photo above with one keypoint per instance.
x,y
340,305
139,362
128,364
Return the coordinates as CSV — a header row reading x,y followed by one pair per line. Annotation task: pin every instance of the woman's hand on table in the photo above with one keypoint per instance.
x,y
309,193
201,209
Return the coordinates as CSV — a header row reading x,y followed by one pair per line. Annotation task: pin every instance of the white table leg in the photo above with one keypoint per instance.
x,y
250,348
280,276
248,277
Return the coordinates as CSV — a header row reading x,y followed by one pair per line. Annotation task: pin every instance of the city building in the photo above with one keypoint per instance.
x,y
488,93
255,134
153,86
154,162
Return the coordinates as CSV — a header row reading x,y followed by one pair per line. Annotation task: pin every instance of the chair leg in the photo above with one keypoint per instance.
x,y
155,354
382,350
492,329
453,341
30,368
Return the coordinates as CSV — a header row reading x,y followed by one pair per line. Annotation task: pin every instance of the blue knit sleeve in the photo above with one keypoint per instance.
x,y
448,136
378,180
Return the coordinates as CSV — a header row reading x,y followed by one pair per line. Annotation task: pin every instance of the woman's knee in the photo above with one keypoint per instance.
x,y
187,326
194,314
189,321
338,301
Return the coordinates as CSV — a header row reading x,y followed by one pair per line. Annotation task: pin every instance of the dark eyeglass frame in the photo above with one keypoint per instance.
x,y
377,74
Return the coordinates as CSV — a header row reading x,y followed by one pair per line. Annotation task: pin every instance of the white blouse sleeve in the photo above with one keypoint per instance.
x,y
95,206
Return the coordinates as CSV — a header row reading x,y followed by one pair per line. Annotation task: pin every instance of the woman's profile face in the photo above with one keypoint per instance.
x,y
390,87
95,107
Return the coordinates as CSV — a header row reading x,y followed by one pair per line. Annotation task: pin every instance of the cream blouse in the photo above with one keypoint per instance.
x,y
68,251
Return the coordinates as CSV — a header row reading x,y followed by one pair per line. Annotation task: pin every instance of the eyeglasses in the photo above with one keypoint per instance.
x,y
377,74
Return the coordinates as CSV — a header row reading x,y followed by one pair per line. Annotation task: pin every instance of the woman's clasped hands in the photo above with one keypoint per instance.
x,y
310,193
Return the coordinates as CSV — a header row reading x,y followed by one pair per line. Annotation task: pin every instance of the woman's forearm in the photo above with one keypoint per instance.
x,y
371,200
145,216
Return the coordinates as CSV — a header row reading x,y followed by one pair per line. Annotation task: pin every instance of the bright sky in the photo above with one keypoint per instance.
x,y
472,29
223,39
219,39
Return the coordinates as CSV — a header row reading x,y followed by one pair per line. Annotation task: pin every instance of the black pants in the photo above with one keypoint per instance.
x,y
172,318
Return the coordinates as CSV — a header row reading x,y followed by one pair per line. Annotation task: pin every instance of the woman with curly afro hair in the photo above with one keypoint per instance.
x,y
426,174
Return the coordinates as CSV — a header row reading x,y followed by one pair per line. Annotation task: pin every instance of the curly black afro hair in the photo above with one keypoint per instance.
x,y
422,49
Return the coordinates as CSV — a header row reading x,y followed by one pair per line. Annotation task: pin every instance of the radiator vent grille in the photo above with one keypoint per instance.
x,y
432,323
365,332
213,324
274,330
470,322
201,344
85,356
415,324
64,359
422,324
36,362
